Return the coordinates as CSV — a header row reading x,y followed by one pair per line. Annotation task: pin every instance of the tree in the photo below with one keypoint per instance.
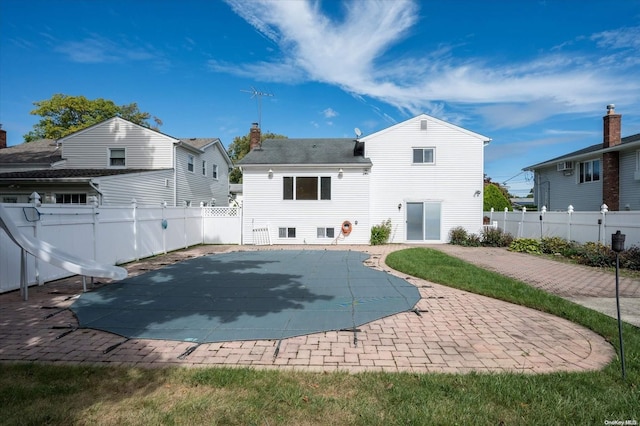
x,y
494,197
63,115
240,147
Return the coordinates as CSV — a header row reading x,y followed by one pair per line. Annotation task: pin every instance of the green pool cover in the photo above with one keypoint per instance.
x,y
250,295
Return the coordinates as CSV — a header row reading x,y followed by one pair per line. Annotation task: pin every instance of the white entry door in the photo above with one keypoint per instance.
x,y
423,221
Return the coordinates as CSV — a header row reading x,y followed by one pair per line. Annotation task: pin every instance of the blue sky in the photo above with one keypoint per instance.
x,y
535,76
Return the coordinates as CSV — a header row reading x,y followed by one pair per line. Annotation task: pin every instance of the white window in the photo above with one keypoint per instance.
x,y
286,232
306,188
71,198
214,172
637,161
424,155
190,161
117,157
204,168
326,232
590,171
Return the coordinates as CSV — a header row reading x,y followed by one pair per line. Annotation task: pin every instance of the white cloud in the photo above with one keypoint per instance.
x,y
347,54
329,112
97,49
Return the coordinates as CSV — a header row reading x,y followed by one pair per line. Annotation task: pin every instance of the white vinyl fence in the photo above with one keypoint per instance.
x,y
111,234
570,225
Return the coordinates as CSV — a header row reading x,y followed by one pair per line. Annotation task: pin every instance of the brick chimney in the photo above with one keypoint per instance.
x,y
611,160
254,137
3,137
611,127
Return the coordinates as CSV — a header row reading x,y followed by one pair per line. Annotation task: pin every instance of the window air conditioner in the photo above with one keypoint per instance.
x,y
565,165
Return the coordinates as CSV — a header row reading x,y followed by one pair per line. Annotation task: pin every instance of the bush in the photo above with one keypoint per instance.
x,y
380,233
595,254
630,258
495,237
473,240
555,245
526,245
458,236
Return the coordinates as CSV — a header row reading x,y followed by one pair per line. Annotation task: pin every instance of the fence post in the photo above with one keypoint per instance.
x,y
36,200
93,201
491,215
164,224
542,212
570,212
521,226
134,214
604,209
504,219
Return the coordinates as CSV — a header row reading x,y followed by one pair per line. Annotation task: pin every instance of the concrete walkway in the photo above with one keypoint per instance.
x,y
453,331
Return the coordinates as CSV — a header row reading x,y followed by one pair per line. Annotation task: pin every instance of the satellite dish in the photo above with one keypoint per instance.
x,y
358,132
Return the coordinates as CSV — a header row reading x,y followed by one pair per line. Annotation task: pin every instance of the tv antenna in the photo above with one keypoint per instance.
x,y
258,95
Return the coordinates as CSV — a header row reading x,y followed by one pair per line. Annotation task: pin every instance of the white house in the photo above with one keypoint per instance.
x,y
424,174
117,161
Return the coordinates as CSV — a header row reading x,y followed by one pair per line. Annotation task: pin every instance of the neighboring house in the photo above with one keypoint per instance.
x,y
117,161
424,174
604,173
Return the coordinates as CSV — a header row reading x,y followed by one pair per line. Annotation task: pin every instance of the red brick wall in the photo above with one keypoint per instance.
x,y
611,180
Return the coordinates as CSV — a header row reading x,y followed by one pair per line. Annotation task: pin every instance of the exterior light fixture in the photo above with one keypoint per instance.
x,y
340,173
399,206
270,173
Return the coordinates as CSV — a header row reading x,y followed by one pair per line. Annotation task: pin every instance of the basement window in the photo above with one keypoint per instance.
x,y
286,232
326,232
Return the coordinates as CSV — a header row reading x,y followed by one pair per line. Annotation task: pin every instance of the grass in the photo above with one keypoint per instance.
x,y
55,394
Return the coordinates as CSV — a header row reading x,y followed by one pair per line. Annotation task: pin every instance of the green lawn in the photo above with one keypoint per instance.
x,y
50,394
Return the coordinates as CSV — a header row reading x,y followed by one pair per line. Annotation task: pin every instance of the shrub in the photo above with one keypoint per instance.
x,y
630,258
473,240
380,233
495,237
554,245
526,245
458,236
595,254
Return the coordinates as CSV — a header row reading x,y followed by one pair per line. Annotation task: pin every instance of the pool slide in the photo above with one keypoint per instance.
x,y
54,256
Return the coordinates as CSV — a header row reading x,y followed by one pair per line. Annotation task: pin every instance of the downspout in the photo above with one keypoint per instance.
x,y
95,188
175,175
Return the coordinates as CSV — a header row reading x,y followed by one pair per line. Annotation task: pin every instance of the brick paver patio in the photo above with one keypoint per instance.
x,y
453,331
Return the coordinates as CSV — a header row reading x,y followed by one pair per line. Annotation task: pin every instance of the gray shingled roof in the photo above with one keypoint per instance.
x,y
198,142
69,173
43,151
588,150
304,151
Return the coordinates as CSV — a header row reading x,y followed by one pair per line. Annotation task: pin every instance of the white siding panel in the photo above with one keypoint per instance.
x,y
629,187
263,205
145,148
148,188
196,187
453,180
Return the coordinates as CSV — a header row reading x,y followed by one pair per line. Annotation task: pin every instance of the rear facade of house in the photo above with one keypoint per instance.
x,y
424,176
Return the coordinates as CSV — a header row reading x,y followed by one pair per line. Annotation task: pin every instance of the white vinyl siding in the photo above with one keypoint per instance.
x,y
451,183
147,188
197,188
145,148
629,184
263,205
